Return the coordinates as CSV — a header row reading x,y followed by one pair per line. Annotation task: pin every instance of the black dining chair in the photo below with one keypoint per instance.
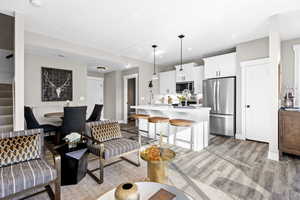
x,y
32,123
96,114
73,121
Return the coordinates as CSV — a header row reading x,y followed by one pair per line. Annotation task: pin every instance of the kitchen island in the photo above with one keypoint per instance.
x,y
198,114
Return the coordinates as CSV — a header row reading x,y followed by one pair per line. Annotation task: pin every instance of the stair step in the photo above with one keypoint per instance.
x,y
5,87
5,94
6,101
6,128
6,110
6,120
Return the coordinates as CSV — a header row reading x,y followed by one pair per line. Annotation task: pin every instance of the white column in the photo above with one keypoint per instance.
x,y
274,51
19,73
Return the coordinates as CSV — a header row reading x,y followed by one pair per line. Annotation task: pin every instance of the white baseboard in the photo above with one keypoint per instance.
x,y
273,156
240,137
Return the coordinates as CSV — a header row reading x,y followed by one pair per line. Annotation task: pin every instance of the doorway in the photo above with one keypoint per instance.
x,y
130,96
94,94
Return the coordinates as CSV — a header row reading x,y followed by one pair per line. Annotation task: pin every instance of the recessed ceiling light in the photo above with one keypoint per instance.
x,y
101,68
128,66
36,3
190,49
234,36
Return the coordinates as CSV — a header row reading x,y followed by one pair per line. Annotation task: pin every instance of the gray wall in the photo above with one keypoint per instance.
x,y
95,74
288,62
6,47
6,32
248,51
110,95
33,64
6,67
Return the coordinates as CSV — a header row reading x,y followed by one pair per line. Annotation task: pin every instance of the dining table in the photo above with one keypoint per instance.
x,y
55,115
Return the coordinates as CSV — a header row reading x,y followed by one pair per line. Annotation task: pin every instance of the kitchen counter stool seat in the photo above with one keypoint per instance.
x,y
158,120
184,123
139,116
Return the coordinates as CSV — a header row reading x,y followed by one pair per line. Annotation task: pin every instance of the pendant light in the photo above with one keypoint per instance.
x,y
154,76
181,68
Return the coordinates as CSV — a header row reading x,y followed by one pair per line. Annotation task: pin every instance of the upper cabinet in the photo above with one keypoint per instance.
x,y
220,66
198,73
167,82
187,74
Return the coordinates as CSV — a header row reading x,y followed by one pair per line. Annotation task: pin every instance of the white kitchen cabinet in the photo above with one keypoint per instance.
x,y
220,66
187,74
198,74
167,82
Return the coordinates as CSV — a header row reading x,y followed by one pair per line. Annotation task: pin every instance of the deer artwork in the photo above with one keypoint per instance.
x,y
59,89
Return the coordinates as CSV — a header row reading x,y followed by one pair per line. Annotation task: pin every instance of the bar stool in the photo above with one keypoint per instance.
x,y
183,123
158,120
137,117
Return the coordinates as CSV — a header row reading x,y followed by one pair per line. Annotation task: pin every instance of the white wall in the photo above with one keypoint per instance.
x,y
275,57
33,64
6,67
19,72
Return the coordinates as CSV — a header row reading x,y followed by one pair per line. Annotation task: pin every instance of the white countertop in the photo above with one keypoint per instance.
x,y
172,109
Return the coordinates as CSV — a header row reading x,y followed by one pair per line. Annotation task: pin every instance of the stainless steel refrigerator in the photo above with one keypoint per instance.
x,y
220,95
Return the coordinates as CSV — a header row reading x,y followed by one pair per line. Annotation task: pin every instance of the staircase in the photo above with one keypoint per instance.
x,y
6,108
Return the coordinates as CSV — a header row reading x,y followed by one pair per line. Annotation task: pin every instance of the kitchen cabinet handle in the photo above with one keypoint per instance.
x,y
247,106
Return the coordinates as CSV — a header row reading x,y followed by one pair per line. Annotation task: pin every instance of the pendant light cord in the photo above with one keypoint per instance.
x,y
154,46
181,54
181,37
154,61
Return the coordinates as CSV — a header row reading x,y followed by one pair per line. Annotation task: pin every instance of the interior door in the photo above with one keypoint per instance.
x,y
94,93
258,111
131,95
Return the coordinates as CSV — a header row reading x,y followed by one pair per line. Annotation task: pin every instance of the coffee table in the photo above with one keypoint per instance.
x,y
147,189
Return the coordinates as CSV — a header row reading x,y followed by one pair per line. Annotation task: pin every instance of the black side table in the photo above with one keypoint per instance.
x,y
73,163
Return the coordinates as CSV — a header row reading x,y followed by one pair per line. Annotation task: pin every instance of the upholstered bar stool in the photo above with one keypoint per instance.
x,y
155,121
183,123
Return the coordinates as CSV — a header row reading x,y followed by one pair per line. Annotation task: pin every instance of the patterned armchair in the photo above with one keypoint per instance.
x,y
104,139
23,167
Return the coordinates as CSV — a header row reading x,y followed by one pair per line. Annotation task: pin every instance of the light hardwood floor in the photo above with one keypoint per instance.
x,y
227,169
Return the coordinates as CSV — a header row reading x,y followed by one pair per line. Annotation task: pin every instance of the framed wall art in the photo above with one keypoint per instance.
x,y
57,84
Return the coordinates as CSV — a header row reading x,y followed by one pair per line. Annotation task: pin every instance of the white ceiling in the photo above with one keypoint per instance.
x,y
91,62
129,28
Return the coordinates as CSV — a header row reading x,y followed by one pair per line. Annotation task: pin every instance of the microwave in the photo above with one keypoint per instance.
x,y
185,85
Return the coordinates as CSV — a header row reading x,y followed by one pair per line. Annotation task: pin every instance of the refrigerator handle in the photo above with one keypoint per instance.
x,y
218,95
215,99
